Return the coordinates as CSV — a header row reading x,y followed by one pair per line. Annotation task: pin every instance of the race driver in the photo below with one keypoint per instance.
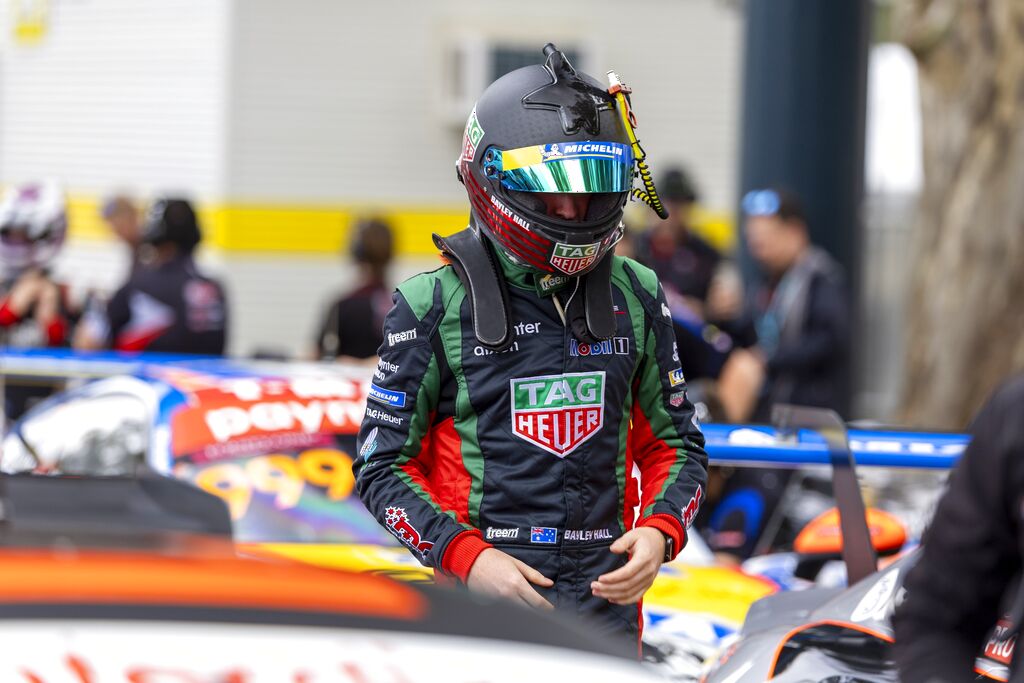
x,y
522,386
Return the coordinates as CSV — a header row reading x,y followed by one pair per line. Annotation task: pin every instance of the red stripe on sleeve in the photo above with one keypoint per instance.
x,y
448,475
653,456
419,467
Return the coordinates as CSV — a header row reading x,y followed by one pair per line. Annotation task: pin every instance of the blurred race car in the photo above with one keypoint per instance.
x,y
835,634
839,633
135,580
275,442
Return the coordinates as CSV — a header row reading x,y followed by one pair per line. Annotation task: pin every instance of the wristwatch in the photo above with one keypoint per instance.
x,y
670,546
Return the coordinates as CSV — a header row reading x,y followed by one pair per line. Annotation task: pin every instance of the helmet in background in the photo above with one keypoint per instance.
x,y
33,224
171,221
547,129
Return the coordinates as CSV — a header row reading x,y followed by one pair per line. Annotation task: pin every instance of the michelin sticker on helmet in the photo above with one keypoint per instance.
x,y
609,150
370,446
386,396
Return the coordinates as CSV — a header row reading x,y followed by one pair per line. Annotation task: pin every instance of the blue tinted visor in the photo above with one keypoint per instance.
x,y
563,167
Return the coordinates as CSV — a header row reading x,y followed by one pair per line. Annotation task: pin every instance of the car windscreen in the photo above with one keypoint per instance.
x,y
297,488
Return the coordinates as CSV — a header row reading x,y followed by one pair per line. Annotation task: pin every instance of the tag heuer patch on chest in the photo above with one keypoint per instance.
x,y
573,258
558,412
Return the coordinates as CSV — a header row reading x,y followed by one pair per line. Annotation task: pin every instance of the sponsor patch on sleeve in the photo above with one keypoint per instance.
x,y
386,396
397,520
675,378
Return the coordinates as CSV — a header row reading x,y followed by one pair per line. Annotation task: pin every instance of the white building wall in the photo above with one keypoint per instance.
x,y
118,93
335,101
350,102
326,102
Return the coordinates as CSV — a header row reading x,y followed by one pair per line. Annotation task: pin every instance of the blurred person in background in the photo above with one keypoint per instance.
x,y
167,305
353,327
801,313
122,216
968,574
516,381
34,308
684,262
705,297
800,306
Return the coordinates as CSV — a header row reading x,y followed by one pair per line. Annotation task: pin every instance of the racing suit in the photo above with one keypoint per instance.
x,y
971,562
531,450
169,308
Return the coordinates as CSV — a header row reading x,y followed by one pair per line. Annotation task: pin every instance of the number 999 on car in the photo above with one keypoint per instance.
x,y
284,477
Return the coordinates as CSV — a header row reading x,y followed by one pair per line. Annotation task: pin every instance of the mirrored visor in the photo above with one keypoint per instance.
x,y
566,167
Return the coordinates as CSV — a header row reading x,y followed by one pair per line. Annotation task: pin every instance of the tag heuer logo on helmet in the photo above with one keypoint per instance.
x,y
474,133
558,412
573,258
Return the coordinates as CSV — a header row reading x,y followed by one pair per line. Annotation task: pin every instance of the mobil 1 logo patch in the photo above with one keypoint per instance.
x,y
558,412
616,345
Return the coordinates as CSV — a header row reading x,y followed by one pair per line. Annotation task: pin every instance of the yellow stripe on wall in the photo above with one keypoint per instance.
x,y
289,229
282,228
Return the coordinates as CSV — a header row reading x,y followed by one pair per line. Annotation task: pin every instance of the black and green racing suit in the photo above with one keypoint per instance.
x,y
537,450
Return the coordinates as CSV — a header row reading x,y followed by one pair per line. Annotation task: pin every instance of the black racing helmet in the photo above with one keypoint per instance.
x,y
172,221
547,128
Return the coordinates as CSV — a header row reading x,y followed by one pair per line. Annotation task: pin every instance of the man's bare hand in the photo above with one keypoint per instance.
x,y
501,574
627,584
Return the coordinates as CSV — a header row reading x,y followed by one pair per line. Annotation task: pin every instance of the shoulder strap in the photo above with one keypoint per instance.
x,y
488,294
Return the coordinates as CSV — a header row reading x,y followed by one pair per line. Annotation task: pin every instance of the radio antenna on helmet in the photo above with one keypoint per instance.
x,y
648,195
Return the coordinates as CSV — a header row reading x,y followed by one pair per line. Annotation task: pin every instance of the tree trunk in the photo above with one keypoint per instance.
x,y
966,314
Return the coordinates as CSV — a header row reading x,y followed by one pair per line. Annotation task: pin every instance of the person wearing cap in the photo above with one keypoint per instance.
x,y
705,297
35,310
801,307
353,327
684,262
167,305
801,314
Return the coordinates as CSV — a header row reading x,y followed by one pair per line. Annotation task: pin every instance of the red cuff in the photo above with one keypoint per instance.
x,y
56,331
7,316
670,526
462,552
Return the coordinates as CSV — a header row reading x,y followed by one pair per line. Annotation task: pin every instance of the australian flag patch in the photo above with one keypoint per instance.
x,y
543,534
